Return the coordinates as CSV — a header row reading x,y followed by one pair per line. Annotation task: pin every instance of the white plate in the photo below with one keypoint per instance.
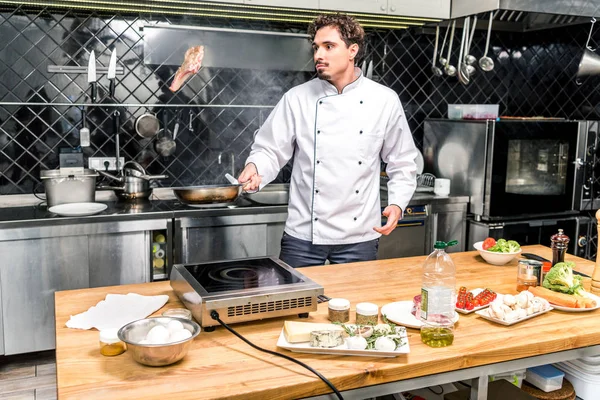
x,y
569,309
305,347
484,314
475,292
78,209
399,313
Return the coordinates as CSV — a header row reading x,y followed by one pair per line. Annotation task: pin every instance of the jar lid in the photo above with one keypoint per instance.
x,y
339,304
109,336
367,309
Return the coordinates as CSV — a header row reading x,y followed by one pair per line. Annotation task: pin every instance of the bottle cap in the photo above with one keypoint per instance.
x,y
367,309
443,245
109,336
339,304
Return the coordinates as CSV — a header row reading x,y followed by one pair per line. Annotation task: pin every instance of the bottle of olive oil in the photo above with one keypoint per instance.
x,y
438,297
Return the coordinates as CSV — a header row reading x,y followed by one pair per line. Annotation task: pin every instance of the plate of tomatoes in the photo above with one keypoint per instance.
x,y
469,301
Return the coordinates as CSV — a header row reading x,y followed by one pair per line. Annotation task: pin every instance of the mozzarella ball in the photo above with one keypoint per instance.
x,y
174,326
384,343
356,343
178,336
158,335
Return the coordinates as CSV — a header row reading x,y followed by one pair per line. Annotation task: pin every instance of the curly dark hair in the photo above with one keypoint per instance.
x,y
350,30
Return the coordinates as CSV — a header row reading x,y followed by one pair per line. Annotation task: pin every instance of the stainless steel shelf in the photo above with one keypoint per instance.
x,y
42,104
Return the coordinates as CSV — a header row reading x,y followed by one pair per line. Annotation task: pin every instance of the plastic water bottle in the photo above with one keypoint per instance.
x,y
438,297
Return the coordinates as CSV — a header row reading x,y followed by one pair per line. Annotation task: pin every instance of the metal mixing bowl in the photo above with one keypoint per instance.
x,y
156,355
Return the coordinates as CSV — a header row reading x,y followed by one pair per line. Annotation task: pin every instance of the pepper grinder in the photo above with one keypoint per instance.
x,y
559,245
596,275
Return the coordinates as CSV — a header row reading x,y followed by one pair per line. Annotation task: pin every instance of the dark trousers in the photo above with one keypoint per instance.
x,y
301,253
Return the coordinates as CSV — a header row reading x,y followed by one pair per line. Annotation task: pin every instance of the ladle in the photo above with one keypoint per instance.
x,y
450,70
463,75
434,68
485,62
470,59
443,60
469,70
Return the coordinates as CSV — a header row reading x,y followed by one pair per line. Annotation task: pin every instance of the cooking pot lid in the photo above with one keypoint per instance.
x,y
57,173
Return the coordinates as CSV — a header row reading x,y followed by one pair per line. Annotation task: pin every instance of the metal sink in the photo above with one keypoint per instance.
x,y
272,194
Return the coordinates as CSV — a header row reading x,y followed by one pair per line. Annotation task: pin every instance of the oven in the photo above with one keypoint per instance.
x,y
515,169
537,231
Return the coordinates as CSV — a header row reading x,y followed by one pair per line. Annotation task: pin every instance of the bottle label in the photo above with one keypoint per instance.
x,y
437,302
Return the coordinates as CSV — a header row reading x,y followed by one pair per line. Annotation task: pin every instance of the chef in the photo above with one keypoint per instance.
x,y
338,127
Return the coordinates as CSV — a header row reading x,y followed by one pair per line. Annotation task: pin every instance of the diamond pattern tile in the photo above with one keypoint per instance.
x,y
534,75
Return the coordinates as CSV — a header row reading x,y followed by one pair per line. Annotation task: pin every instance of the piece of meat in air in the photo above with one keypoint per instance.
x,y
191,65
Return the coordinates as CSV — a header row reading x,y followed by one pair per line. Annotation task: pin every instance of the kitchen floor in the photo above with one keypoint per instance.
x,y
28,376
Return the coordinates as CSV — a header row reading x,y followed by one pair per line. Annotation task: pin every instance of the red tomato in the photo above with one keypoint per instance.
x,y
487,243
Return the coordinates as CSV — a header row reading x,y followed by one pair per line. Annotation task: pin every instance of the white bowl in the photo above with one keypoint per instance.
x,y
491,257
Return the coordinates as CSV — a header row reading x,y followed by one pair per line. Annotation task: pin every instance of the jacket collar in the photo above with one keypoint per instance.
x,y
331,90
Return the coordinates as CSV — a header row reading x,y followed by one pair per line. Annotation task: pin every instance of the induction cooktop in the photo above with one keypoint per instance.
x,y
244,290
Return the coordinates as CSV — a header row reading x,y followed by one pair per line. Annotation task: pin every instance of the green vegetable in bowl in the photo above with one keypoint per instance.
x,y
505,246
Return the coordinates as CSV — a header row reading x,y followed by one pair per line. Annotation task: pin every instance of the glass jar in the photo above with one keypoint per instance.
x,y
339,310
367,314
110,344
528,274
178,313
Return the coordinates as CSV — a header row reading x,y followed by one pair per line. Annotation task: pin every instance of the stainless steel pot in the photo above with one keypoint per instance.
x,y
208,194
69,188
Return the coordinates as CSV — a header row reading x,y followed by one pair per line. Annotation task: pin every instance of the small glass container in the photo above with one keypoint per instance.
x,y
528,274
339,310
367,314
178,313
110,344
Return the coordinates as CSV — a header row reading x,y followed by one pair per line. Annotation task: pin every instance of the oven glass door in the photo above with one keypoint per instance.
x,y
533,167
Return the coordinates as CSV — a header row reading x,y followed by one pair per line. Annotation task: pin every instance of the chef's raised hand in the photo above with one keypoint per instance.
x,y
250,178
393,213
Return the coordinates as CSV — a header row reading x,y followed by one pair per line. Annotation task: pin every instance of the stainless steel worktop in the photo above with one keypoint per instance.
x,y
15,217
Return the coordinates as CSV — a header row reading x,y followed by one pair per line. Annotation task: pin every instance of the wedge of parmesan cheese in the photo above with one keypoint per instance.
x,y
296,332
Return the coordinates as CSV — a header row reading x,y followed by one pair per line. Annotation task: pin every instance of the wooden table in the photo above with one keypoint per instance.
x,y
221,366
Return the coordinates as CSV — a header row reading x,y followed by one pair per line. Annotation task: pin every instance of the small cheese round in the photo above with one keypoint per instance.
x,y
356,343
384,343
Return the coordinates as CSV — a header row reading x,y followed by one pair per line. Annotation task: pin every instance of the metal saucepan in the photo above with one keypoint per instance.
x,y
132,187
147,125
208,194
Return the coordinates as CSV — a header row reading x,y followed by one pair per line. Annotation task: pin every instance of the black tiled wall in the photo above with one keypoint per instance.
x,y
534,76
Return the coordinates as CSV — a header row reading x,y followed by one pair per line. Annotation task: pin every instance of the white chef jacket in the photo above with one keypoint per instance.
x,y
338,141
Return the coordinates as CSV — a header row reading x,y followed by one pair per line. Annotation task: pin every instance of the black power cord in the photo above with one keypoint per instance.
x,y
215,315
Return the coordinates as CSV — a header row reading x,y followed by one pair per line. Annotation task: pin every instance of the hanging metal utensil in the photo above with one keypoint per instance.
x,y
443,60
165,146
449,69
463,76
117,126
470,59
434,68
486,63
147,125
191,124
370,70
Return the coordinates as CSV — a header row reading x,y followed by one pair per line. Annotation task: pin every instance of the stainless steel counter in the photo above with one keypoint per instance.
x,y
19,217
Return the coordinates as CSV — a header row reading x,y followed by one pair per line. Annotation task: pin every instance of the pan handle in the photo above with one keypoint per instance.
x,y
111,176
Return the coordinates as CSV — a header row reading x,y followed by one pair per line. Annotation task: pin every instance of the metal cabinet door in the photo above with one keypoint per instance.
x,y
274,234
1,327
33,270
119,258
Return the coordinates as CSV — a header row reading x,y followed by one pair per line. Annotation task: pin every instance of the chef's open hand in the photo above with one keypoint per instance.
x,y
393,213
250,178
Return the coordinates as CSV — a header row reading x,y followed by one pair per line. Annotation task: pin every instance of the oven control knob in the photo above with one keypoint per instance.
x,y
582,241
409,210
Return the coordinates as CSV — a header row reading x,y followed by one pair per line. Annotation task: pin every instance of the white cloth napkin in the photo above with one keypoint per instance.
x,y
117,310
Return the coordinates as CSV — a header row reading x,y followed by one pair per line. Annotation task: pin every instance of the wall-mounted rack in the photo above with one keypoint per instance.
x,y
43,104
76,69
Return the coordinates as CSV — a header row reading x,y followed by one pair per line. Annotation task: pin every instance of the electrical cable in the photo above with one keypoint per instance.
x,y
215,315
437,393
